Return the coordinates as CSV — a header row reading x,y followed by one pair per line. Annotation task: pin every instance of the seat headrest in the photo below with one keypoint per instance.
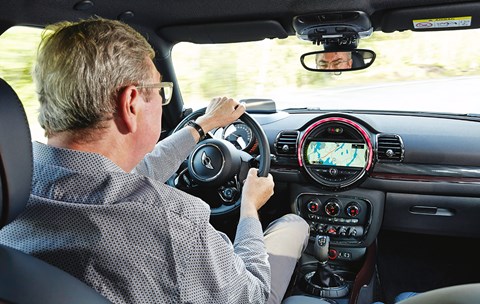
x,y
357,60
16,161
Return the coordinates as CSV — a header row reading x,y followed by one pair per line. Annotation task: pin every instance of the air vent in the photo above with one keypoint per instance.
x,y
286,144
389,148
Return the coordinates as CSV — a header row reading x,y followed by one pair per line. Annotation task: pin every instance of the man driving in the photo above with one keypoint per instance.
x,y
99,208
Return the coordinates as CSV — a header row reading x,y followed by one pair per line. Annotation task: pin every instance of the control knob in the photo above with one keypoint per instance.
x,y
332,207
313,206
353,209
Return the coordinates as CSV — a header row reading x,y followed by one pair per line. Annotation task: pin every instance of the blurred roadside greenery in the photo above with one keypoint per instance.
x,y
18,47
268,68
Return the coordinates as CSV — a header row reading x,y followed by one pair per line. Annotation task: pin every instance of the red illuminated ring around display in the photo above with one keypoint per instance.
x,y
346,121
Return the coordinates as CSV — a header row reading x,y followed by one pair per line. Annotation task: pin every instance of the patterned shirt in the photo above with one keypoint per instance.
x,y
133,238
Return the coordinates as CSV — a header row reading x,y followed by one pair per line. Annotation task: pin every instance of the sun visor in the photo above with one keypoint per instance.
x,y
432,18
224,32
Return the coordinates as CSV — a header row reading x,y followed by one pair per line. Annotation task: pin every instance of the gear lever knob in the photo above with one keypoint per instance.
x,y
320,248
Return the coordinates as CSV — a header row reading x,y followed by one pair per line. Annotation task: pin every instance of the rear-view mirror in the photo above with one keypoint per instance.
x,y
339,61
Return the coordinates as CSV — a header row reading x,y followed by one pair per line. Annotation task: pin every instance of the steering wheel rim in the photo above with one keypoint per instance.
x,y
263,160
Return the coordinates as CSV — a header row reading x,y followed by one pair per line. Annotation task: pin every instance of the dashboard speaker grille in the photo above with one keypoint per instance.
x,y
286,143
389,148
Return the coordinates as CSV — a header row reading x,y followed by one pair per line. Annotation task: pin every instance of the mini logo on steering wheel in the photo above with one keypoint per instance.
x,y
206,161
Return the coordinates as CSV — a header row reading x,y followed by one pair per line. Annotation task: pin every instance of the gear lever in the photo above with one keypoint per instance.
x,y
324,282
324,276
320,248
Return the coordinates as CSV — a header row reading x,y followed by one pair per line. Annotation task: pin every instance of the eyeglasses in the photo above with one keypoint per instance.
x,y
165,88
334,64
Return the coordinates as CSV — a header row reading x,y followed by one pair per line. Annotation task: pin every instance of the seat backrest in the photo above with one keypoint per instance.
x,y
24,278
357,60
15,155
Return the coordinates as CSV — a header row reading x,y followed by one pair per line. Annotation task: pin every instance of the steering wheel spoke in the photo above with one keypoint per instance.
x,y
182,180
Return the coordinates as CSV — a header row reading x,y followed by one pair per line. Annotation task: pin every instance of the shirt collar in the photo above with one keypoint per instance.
x,y
73,159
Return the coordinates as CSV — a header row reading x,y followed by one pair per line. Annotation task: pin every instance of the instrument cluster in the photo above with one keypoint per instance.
x,y
238,134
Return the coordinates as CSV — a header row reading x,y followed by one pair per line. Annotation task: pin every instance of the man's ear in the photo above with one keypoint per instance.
x,y
128,101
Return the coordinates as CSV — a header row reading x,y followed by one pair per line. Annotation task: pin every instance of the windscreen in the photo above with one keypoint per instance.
x,y
413,71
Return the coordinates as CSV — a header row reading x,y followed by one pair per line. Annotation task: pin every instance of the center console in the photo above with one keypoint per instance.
x,y
335,155
350,220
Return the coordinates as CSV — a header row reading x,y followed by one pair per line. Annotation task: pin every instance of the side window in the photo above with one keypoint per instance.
x,y
18,46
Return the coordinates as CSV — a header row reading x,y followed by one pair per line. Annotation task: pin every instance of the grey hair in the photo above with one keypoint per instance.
x,y
81,69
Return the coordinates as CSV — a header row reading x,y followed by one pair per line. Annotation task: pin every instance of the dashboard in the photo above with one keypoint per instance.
x,y
351,174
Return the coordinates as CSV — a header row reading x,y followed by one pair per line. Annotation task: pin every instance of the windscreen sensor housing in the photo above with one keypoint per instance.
x,y
335,31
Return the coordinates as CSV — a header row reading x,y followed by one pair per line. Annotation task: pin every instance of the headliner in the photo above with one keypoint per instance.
x,y
203,21
168,17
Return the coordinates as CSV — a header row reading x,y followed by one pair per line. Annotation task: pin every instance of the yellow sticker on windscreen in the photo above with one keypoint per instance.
x,y
442,22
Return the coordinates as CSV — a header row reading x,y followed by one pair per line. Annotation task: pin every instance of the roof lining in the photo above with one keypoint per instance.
x,y
224,32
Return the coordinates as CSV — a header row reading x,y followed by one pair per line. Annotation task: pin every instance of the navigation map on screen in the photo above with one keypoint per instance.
x,y
336,154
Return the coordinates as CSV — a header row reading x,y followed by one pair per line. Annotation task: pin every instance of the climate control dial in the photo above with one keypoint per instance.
x,y
313,205
332,207
353,209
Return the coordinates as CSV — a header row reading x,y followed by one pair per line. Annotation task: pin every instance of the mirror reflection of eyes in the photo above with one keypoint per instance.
x,y
334,64
327,61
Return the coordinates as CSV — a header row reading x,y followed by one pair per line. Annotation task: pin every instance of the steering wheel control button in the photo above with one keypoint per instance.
x,y
229,194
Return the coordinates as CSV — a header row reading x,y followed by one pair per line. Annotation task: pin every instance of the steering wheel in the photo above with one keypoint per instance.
x,y
215,169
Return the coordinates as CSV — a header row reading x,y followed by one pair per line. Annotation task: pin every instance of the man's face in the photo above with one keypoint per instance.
x,y
334,61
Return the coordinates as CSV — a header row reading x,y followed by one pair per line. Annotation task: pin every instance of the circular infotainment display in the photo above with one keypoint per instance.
x,y
336,152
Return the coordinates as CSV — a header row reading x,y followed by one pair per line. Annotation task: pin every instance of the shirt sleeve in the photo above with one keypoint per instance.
x,y
167,156
222,272
249,246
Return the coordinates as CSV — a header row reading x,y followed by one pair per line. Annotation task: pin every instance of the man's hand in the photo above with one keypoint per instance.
x,y
220,112
256,192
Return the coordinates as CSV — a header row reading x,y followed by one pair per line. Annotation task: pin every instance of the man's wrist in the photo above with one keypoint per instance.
x,y
198,128
248,210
